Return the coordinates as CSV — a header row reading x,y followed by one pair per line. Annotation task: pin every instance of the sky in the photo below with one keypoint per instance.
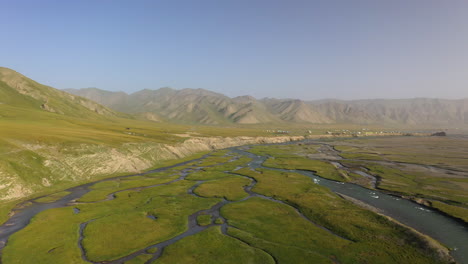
x,y
306,49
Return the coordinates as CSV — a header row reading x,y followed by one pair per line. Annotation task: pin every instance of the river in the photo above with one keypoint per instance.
x,y
450,232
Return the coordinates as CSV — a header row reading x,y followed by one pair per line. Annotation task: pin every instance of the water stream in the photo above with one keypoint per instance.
x,y
450,232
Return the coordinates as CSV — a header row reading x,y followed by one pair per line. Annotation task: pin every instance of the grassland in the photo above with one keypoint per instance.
x,y
115,234
230,188
293,157
322,168
101,190
430,170
218,248
204,219
289,219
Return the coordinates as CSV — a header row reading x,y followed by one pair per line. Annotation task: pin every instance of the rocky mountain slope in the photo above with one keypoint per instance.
x,y
192,106
206,107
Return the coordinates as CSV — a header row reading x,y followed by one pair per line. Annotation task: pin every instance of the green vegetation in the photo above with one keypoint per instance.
x,y
204,175
399,162
282,159
217,248
111,231
322,168
5,209
204,219
366,229
419,184
229,166
152,250
456,211
431,170
277,228
115,235
52,236
290,157
305,223
231,188
214,160
102,189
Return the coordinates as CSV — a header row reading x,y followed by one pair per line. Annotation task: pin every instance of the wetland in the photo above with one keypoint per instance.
x,y
333,201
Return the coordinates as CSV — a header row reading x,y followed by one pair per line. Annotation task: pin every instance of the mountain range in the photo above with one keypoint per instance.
x,y
199,106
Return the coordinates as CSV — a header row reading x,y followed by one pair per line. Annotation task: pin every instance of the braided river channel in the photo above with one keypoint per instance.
x,y
449,231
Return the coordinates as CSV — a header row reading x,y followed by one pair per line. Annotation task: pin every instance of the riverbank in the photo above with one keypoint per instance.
x,y
448,230
431,244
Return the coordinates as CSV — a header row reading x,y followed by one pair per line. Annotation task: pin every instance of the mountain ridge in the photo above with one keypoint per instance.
x,y
206,107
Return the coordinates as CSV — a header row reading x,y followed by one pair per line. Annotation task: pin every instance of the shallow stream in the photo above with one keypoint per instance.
x,y
450,232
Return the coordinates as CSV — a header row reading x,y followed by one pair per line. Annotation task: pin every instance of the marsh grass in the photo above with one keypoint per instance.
x,y
321,168
231,188
204,219
102,189
204,175
454,210
218,248
115,234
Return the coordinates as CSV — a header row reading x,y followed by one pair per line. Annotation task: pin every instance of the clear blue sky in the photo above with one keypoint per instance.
x,y
306,49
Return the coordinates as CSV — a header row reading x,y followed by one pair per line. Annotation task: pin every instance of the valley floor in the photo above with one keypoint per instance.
x,y
223,208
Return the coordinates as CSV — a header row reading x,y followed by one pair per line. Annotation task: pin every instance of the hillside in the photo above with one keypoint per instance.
x,y
198,106
19,91
50,139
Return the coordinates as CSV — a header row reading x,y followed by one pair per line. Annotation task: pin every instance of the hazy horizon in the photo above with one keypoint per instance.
x,y
269,97
308,50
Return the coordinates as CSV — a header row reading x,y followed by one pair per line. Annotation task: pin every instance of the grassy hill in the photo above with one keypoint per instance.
x,y
18,91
